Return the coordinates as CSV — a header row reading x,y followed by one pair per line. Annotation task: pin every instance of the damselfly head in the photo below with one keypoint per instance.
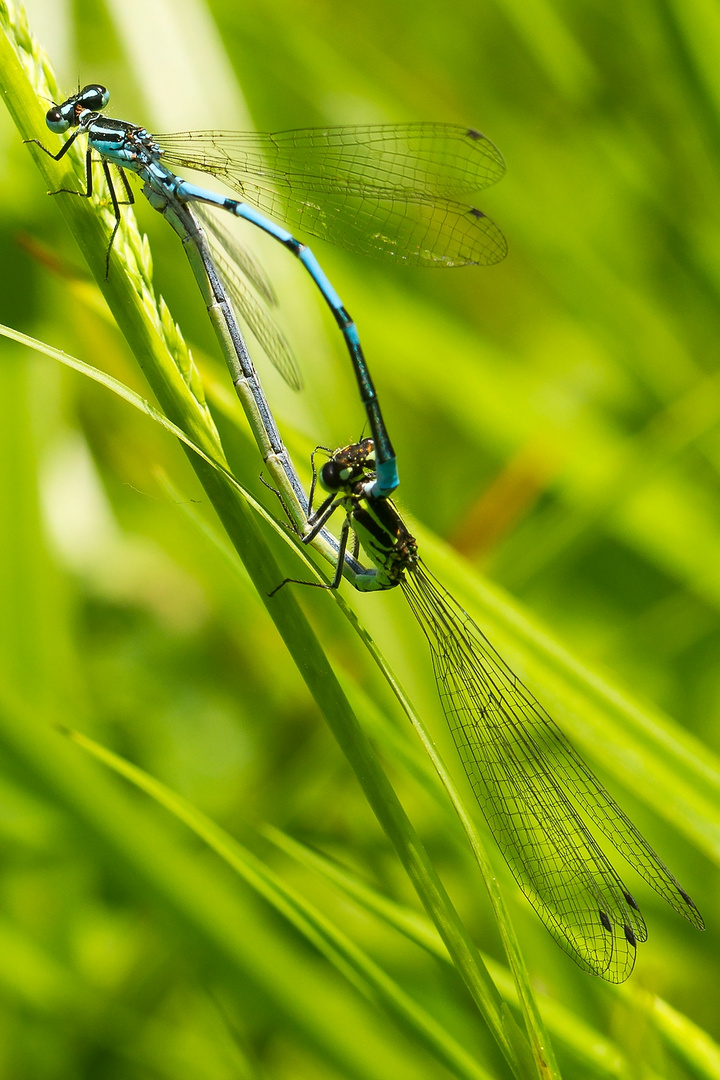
x,y
91,99
348,465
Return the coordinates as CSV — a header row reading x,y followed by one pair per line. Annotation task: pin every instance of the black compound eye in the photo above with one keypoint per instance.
x,y
93,97
331,476
56,120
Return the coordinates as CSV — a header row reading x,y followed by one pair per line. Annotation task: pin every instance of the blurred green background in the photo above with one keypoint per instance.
x,y
556,423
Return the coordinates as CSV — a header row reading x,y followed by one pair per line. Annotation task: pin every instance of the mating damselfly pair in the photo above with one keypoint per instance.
x,y
401,193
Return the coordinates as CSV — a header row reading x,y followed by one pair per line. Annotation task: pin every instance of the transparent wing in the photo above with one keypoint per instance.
x,y
391,191
236,264
527,778
239,254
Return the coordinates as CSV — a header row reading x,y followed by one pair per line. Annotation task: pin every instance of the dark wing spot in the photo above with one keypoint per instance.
x,y
474,212
473,134
631,901
630,936
686,898
605,921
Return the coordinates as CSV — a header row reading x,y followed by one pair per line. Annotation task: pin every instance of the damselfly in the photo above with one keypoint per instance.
x,y
397,192
532,785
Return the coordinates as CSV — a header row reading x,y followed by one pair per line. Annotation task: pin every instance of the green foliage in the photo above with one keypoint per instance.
x,y
555,420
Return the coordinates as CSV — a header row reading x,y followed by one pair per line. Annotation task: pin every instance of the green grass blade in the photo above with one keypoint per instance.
x,y
586,1043
196,901
349,959
695,1046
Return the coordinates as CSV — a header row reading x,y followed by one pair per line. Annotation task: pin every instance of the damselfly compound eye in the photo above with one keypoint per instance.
x,y
56,120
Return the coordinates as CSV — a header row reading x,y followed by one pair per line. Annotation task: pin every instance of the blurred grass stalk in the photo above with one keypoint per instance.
x,y
157,345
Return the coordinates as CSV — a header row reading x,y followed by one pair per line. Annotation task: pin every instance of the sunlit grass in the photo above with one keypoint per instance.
x,y
576,380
